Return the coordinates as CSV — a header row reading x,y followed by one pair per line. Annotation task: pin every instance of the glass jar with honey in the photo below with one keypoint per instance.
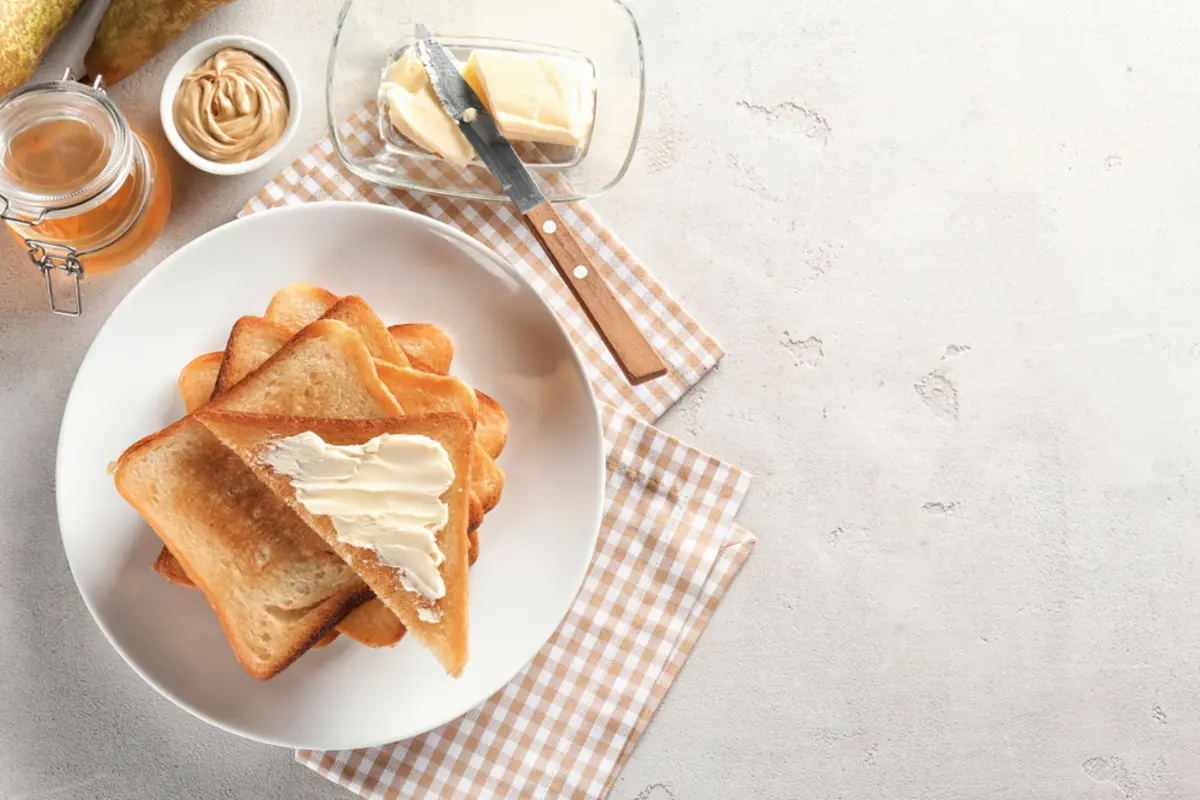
x,y
79,188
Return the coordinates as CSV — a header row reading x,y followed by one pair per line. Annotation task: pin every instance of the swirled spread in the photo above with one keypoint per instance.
x,y
231,108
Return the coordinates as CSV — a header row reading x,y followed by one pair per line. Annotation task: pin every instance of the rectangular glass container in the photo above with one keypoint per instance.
x,y
371,34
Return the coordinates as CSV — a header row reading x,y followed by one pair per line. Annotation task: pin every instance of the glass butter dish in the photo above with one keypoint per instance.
x,y
372,34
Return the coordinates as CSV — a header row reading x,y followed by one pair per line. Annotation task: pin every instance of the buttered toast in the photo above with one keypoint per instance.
x,y
326,369
320,371
328,347
441,624
253,340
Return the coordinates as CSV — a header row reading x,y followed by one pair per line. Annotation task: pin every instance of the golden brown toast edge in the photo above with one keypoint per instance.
x,y
426,344
252,340
491,428
297,305
355,312
197,379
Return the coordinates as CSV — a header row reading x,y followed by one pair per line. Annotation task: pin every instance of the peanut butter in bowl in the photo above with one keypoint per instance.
x,y
231,108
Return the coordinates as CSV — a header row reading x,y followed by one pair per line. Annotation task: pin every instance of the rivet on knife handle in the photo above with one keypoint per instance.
x,y
633,353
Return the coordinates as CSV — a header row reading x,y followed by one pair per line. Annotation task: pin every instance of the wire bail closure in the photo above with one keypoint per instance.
x,y
47,257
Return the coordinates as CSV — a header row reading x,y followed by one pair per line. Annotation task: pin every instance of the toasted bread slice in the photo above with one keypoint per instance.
x,y
373,624
325,370
487,479
329,637
254,339
168,566
426,393
251,342
248,434
197,379
276,586
426,344
257,342
491,427
355,312
297,305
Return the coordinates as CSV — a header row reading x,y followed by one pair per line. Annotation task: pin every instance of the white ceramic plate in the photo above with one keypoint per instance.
x,y
534,548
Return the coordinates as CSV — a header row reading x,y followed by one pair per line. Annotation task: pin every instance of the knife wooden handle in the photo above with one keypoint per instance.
x,y
633,353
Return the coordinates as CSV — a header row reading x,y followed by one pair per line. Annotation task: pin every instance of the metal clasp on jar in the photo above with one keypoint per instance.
x,y
48,256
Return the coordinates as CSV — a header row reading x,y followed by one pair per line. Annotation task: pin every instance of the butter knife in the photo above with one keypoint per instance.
x,y
573,260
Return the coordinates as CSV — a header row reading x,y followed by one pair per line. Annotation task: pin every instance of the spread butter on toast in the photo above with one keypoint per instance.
x,y
248,435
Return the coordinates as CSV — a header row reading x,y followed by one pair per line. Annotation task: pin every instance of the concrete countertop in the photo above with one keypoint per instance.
x,y
951,249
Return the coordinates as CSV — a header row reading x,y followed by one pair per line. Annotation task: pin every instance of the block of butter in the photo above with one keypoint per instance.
x,y
535,97
415,111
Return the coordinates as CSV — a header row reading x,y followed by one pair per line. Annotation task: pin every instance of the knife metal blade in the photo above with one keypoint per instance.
x,y
476,123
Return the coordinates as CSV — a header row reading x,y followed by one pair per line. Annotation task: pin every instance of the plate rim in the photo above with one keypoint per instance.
x,y
73,404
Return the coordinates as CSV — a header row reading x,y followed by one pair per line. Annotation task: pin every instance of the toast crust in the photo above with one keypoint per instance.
x,y
426,344
297,305
374,624
355,312
198,378
252,341
491,428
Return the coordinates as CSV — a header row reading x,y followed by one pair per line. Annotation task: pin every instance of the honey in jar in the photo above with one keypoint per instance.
x,y
79,188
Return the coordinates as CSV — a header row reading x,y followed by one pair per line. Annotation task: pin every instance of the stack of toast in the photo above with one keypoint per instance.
x,y
278,577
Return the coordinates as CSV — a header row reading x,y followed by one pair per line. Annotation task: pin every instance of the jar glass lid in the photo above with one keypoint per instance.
x,y
63,149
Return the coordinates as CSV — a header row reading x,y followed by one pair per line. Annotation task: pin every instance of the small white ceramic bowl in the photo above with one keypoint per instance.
x,y
197,56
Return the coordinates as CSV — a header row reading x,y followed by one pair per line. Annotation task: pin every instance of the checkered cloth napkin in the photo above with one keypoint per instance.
x,y
668,546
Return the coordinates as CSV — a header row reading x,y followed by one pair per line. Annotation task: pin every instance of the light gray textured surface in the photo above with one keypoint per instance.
x,y
951,249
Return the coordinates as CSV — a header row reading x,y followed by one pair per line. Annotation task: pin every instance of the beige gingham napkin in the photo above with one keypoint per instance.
x,y
668,547
566,724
